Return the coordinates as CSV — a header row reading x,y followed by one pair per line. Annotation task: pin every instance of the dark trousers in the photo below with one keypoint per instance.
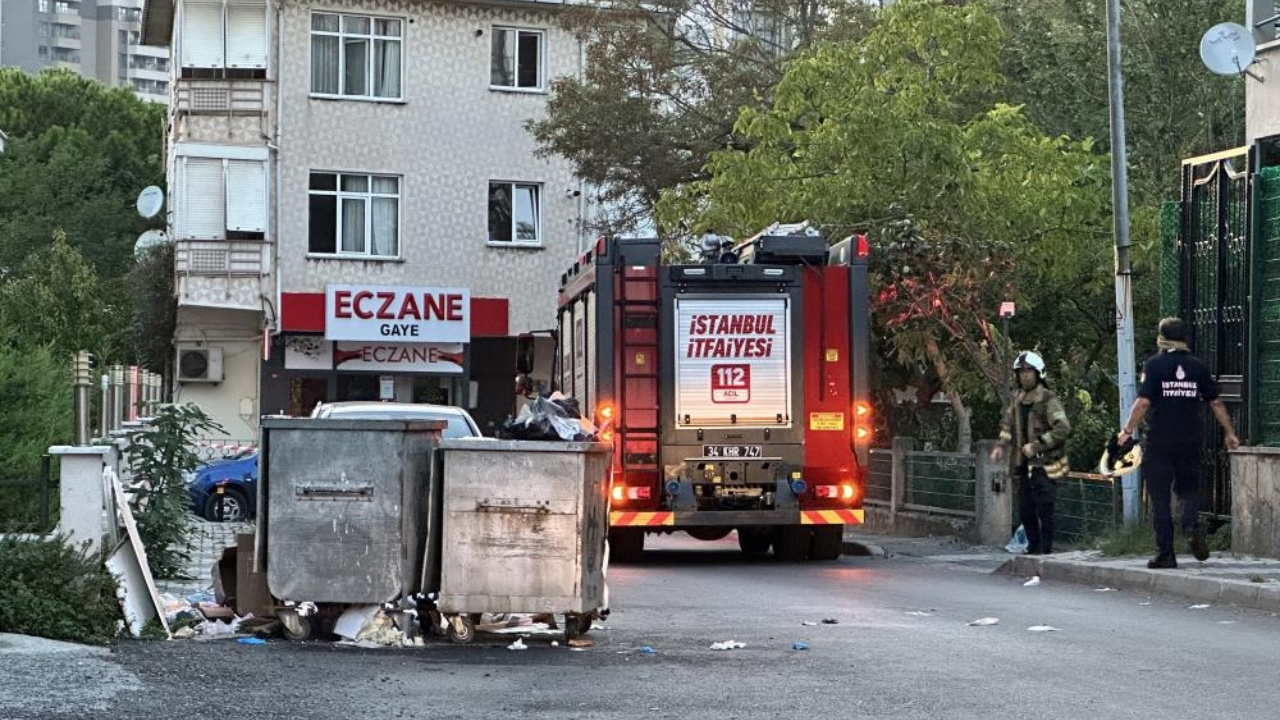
x,y
1176,470
1036,492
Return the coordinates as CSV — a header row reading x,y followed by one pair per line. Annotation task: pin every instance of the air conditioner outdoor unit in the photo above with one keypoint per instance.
x,y
200,365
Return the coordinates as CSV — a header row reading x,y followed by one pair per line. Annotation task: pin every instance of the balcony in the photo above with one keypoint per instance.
x,y
68,43
222,273
221,97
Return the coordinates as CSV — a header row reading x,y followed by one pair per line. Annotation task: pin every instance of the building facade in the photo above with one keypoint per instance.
x,y
357,208
100,39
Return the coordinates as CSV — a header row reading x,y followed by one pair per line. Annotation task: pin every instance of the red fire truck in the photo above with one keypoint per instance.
x,y
735,391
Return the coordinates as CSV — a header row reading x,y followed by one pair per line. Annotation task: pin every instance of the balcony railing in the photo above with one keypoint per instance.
x,y
222,258
221,97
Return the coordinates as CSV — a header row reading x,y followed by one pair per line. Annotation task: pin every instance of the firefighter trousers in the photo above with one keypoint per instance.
x,y
1036,492
1166,471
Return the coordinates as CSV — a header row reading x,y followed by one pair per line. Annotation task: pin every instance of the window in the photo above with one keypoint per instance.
x,y
355,215
515,213
228,37
516,62
45,6
222,198
356,56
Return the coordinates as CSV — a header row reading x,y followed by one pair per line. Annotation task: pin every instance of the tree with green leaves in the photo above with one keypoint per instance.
x,y
663,83
909,122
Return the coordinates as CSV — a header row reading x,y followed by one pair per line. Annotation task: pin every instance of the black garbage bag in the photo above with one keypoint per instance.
x,y
546,419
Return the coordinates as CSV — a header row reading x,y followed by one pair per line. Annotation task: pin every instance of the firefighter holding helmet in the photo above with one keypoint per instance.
x,y
1036,426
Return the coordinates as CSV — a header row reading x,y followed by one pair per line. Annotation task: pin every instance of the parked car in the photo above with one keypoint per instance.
x,y
460,423
231,482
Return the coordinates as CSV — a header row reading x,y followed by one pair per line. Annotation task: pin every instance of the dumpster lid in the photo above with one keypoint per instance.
x,y
275,423
490,444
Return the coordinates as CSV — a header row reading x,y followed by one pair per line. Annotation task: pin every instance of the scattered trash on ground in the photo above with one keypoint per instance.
x,y
984,622
184,633
728,645
581,643
809,623
518,645
1226,622
918,613
646,650
252,641
830,621
1018,543
1199,607
555,643
799,646
1042,628
1106,589
1034,581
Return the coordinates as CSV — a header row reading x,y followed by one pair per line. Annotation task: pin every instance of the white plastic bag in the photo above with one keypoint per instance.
x,y
1018,544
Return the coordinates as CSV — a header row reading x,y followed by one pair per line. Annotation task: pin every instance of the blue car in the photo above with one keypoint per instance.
x,y
231,483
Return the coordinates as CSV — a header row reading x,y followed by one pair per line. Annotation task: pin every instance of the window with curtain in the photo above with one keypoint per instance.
x,y
354,215
515,213
516,59
356,56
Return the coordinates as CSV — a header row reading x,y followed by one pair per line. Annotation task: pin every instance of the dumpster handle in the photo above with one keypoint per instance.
x,y
508,505
362,493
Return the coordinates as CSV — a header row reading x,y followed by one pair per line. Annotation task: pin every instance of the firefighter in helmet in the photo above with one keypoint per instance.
x,y
1036,426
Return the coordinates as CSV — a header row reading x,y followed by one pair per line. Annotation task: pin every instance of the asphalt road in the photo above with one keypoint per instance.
x,y
902,649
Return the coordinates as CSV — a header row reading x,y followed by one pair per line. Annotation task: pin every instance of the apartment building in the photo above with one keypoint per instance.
x,y
100,39
357,209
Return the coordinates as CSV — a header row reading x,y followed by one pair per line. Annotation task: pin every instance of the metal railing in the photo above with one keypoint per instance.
x,y
1087,506
27,505
940,482
221,97
879,489
227,258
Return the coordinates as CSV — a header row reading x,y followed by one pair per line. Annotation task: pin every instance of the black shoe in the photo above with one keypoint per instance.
x,y
1163,562
1199,546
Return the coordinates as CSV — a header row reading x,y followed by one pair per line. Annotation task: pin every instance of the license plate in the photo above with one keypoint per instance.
x,y
732,451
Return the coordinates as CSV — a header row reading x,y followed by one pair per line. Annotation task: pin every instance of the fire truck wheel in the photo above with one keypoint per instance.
x,y
828,541
709,533
792,543
754,541
626,545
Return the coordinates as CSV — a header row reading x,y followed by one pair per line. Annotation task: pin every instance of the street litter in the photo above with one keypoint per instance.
x,y
1198,607
1034,581
917,613
1145,603
646,650
252,641
369,623
983,622
553,418
809,623
555,643
1107,589
184,633
518,645
1018,543
580,643
728,645
1042,628
1226,622
799,646
830,621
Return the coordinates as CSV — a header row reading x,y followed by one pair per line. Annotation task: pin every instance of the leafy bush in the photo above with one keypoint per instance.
x,y
56,590
160,455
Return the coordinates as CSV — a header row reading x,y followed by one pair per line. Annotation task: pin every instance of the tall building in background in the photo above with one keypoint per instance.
x,y
99,39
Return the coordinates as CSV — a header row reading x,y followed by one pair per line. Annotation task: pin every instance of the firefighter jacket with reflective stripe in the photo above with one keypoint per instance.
x,y
1047,430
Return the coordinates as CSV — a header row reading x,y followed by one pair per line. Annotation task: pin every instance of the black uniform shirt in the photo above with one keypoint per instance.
x,y
1175,382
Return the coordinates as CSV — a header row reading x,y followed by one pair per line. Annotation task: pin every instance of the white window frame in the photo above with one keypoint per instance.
x,y
339,195
541,88
372,36
539,195
226,155
224,29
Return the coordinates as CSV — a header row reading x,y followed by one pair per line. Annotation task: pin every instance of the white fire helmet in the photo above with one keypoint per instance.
x,y
1029,359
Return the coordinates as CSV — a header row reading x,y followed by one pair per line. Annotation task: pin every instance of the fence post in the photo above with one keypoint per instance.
x,y
992,494
82,493
898,477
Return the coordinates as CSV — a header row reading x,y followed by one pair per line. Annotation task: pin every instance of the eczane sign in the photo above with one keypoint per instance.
x,y
397,314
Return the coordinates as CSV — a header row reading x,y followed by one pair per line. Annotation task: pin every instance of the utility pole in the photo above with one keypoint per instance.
x,y
1124,276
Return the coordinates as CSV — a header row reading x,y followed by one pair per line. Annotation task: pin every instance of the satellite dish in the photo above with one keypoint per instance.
x,y
148,240
1228,49
150,200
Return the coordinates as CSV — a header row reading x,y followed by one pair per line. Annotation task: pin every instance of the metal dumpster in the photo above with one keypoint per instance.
x,y
345,508
523,531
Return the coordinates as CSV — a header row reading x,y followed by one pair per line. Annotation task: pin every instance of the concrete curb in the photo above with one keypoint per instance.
x,y
861,548
1177,583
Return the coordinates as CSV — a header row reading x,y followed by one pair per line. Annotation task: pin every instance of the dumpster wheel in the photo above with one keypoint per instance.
x,y
294,627
576,626
461,629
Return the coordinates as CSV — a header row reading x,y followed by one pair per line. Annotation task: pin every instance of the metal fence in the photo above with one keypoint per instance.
x,y
1087,506
29,505
940,482
879,478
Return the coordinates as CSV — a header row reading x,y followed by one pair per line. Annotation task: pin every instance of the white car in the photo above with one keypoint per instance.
x,y
460,423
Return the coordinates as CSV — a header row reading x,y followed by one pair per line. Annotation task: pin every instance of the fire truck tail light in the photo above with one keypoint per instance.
x,y
826,491
861,410
639,493
848,492
606,435
862,433
605,412
619,493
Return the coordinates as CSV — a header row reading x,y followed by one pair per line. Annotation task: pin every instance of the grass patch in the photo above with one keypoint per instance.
x,y
1140,539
